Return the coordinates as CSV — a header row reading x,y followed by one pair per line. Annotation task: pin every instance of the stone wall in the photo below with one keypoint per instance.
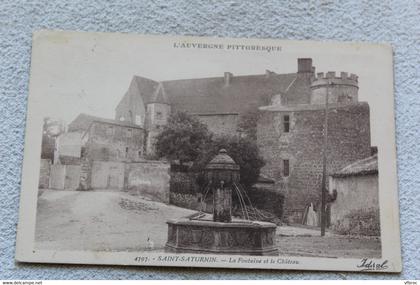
x,y
357,196
107,175
64,177
220,124
72,160
85,174
44,173
302,146
148,179
145,178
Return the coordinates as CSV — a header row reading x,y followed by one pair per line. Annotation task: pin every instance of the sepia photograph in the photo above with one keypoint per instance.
x,y
209,152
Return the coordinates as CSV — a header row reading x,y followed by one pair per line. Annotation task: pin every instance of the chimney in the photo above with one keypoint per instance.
x,y
228,78
304,65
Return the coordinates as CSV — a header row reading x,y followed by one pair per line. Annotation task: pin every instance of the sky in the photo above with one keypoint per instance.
x,y
73,73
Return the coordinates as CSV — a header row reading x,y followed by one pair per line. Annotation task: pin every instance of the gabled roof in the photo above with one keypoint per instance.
x,y
212,95
84,121
144,86
160,95
365,166
298,92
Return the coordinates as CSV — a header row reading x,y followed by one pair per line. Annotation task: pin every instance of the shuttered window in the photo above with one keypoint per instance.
x,y
286,123
286,168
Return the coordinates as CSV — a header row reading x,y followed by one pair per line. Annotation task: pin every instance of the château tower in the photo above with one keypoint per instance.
x,y
157,114
341,89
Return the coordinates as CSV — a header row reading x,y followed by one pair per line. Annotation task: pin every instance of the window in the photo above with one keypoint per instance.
x,y
286,123
140,153
129,133
286,168
110,131
138,120
126,152
158,115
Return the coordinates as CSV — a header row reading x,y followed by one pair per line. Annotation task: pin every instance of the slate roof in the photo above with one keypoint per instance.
x,y
265,179
159,95
213,96
365,166
83,122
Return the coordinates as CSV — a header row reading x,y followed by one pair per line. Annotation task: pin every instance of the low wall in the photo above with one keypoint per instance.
x,y
44,173
356,208
148,179
107,175
64,177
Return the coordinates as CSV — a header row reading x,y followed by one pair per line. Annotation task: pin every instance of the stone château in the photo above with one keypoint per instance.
x,y
290,127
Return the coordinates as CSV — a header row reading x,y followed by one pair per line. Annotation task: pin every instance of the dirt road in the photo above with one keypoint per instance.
x,y
116,221
103,221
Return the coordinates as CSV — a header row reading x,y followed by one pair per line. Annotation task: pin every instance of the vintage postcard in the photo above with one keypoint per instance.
x,y
209,152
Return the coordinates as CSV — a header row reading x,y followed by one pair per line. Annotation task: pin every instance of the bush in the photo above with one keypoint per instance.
x,y
267,200
183,183
263,204
361,222
184,200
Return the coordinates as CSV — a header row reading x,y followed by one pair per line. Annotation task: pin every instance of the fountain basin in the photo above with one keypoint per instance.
x,y
238,237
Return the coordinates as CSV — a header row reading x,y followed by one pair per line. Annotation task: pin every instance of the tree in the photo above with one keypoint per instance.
x,y
51,129
243,150
182,138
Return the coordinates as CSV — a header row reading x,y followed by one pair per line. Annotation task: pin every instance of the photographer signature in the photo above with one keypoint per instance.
x,y
370,265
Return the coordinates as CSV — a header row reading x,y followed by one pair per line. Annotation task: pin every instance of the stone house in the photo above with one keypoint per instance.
x,y
106,145
107,155
356,208
107,139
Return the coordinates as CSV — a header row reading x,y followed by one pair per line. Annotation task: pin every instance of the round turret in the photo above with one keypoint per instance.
x,y
341,89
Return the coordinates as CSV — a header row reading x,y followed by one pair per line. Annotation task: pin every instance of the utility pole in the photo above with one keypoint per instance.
x,y
324,162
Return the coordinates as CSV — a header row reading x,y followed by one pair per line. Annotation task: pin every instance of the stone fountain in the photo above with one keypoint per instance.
x,y
220,233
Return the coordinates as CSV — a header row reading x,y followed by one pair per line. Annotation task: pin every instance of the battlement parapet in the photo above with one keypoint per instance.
x,y
330,78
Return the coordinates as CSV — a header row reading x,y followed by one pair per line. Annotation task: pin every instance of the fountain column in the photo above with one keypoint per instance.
x,y
222,172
